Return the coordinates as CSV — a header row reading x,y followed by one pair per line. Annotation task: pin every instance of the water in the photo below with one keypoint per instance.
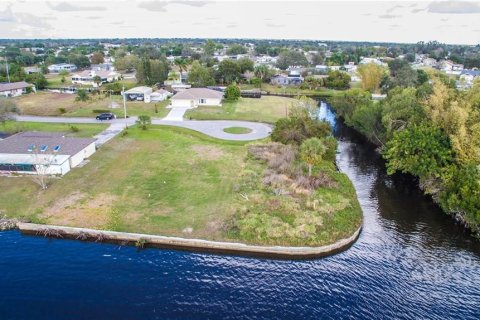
x,y
410,262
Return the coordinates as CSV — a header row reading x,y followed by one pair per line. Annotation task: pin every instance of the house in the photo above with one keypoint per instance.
x,y
160,95
55,68
32,70
178,87
372,60
87,77
467,77
138,94
13,89
194,97
292,79
49,153
106,66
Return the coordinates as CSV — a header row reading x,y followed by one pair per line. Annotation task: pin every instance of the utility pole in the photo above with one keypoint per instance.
x,y
124,106
8,72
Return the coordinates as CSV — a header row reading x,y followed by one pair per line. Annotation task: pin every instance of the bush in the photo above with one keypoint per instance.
x,y
62,110
82,95
143,121
74,128
232,93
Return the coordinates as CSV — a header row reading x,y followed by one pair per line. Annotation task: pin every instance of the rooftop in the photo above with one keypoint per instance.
x,y
6,86
198,93
50,142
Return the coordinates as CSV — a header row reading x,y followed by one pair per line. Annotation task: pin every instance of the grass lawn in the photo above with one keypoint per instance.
x,y
266,109
63,104
73,130
177,182
289,90
237,130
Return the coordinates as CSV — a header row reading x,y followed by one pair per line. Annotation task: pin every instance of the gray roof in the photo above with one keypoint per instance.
x,y
475,73
198,93
20,143
6,86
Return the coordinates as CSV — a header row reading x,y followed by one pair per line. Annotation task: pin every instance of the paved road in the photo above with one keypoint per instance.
x,y
213,128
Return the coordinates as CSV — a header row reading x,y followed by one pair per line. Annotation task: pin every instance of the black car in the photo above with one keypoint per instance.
x,y
105,116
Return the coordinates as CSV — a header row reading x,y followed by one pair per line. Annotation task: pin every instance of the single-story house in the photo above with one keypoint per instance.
x,y
86,77
43,153
32,70
177,87
138,94
55,68
292,79
467,77
160,95
13,89
194,97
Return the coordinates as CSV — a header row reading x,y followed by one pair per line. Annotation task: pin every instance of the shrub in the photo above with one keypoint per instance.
x,y
82,95
143,121
232,93
100,110
62,110
74,128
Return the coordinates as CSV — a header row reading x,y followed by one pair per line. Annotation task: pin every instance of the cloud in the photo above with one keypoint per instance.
x,y
417,10
388,16
7,15
65,6
231,25
154,5
31,20
394,25
94,18
161,5
273,25
118,22
394,8
454,7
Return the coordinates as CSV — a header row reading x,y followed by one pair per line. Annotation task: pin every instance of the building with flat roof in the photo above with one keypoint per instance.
x,y
49,153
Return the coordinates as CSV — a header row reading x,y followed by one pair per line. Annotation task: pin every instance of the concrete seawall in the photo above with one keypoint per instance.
x,y
198,245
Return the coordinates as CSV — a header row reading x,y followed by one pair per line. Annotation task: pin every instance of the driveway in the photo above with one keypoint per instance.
x,y
214,128
176,114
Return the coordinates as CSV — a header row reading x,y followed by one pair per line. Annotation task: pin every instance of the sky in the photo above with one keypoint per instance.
x,y
447,21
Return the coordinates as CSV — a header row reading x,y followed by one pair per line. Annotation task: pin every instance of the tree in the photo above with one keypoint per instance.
x,y
98,57
232,93
43,160
128,62
235,49
97,80
63,73
82,95
150,71
7,109
371,75
182,64
338,80
262,71
245,64
311,152
143,121
38,79
291,58
200,76
208,48
228,71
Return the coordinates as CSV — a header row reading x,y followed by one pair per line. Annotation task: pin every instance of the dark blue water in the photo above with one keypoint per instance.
x,y
411,262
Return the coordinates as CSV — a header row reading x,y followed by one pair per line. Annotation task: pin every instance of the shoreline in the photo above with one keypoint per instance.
x,y
192,245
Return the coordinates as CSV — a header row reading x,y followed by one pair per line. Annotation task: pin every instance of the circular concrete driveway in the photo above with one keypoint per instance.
x,y
214,128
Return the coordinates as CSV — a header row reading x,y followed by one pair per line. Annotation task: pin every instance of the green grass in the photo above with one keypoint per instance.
x,y
237,130
84,130
166,180
290,90
63,104
266,109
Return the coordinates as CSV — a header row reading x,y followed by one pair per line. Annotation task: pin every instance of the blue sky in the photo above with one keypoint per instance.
x,y
448,21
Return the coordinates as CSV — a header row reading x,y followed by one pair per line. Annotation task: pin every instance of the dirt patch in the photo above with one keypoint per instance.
x,y
208,152
80,211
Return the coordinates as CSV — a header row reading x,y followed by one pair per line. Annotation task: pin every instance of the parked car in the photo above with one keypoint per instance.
x,y
105,116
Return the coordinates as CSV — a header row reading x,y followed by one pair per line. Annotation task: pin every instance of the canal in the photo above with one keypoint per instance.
x,y
411,261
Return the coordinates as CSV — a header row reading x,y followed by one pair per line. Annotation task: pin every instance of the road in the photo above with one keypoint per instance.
x,y
213,128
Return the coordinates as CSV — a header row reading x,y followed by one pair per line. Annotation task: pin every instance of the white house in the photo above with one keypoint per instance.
x,y
13,89
43,153
87,77
194,97
467,77
293,78
160,95
372,60
62,66
139,94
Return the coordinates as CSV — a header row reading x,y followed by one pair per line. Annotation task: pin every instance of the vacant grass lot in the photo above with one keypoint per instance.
x,y
74,130
266,109
176,182
64,104
290,90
